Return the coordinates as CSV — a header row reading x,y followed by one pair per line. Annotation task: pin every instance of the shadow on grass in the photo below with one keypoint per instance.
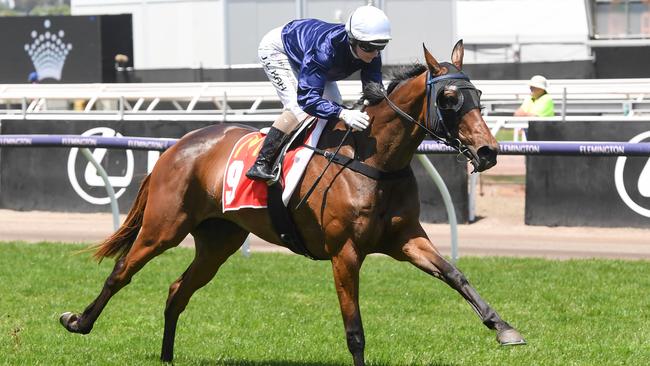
x,y
205,362
202,361
243,362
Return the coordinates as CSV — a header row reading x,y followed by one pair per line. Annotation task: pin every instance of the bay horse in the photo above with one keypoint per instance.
x,y
348,216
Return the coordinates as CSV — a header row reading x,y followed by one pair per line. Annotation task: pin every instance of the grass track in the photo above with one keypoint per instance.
x,y
275,309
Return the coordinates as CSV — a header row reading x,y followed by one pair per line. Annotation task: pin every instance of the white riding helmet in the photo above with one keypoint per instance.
x,y
368,24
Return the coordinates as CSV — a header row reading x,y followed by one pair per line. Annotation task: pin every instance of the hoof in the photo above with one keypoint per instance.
x,y
69,322
66,318
510,337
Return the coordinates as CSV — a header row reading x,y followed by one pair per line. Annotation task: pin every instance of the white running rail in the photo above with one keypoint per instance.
x,y
500,97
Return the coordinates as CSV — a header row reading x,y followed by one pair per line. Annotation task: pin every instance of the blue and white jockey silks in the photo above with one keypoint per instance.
x,y
305,58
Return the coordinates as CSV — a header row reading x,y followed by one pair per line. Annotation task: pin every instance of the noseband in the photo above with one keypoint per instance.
x,y
435,124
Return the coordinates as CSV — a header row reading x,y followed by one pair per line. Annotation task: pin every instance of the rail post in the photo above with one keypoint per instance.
x,y
107,183
446,198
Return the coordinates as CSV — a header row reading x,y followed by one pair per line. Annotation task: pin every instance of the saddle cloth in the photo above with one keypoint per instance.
x,y
241,192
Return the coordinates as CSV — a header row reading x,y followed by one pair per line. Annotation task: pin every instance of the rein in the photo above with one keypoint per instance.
x,y
330,159
436,120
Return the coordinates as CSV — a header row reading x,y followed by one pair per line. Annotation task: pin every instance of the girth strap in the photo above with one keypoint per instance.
x,y
361,168
283,223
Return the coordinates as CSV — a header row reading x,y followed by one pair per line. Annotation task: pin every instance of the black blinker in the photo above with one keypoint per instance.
x,y
455,102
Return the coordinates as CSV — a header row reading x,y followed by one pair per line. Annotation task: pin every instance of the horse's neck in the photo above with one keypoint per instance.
x,y
395,139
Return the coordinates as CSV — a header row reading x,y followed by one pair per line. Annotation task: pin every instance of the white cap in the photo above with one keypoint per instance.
x,y
538,81
367,24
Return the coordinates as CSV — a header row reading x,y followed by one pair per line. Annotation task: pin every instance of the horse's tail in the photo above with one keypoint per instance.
x,y
120,242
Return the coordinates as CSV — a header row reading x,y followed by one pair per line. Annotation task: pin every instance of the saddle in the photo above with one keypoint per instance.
x,y
241,192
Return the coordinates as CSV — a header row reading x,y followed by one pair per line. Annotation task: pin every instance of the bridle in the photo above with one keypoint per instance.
x,y
435,124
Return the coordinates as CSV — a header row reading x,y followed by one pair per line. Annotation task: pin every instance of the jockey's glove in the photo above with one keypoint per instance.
x,y
356,119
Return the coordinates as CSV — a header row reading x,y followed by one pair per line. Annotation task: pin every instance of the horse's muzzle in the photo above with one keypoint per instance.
x,y
486,158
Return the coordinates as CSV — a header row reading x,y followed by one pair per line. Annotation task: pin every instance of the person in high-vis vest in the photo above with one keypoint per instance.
x,y
303,60
539,103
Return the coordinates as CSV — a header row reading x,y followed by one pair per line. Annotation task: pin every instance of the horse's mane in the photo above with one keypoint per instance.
x,y
373,92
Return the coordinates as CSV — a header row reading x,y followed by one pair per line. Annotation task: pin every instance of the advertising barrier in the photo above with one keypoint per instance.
x,y
606,191
61,179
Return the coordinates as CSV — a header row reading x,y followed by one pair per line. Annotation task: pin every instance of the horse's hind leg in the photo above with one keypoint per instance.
x,y
420,252
156,235
215,241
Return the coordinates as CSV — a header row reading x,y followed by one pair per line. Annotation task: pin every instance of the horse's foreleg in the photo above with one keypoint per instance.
x,y
421,253
147,245
346,265
215,241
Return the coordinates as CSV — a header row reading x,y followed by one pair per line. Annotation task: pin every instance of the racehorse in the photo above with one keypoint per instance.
x,y
349,215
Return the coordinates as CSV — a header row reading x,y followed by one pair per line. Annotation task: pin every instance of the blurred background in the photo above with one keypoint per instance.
x,y
161,68
213,40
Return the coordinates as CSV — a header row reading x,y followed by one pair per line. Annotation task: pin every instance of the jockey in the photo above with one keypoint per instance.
x,y
303,60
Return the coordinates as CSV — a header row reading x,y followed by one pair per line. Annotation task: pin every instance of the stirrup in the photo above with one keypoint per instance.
x,y
256,172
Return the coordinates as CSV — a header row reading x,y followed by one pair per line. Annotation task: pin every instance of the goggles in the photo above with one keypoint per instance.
x,y
371,46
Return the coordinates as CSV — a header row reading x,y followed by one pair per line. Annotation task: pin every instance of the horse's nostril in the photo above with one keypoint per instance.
x,y
487,157
487,153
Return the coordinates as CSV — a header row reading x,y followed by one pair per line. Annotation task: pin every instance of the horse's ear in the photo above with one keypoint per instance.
x,y
434,66
457,55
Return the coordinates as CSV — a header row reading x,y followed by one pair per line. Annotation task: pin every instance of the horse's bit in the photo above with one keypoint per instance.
x,y
434,122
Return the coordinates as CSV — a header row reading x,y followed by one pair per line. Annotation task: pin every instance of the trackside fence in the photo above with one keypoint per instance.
x,y
554,148
544,148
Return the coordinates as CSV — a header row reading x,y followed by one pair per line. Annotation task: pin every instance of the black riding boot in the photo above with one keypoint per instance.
x,y
262,169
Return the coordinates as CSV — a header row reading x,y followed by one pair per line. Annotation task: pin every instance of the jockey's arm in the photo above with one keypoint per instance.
x,y
311,84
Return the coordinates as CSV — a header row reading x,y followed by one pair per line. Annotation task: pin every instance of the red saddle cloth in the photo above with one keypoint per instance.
x,y
241,192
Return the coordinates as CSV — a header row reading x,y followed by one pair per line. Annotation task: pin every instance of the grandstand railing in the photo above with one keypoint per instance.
x,y
500,97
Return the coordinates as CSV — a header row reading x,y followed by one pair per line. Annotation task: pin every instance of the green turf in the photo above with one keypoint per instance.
x,y
274,309
505,134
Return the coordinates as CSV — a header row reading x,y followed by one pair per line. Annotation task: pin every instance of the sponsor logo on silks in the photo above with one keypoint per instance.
x,y
91,177
48,52
635,194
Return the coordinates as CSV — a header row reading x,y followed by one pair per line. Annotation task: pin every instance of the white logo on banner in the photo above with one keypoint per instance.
x,y
643,184
92,177
48,52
